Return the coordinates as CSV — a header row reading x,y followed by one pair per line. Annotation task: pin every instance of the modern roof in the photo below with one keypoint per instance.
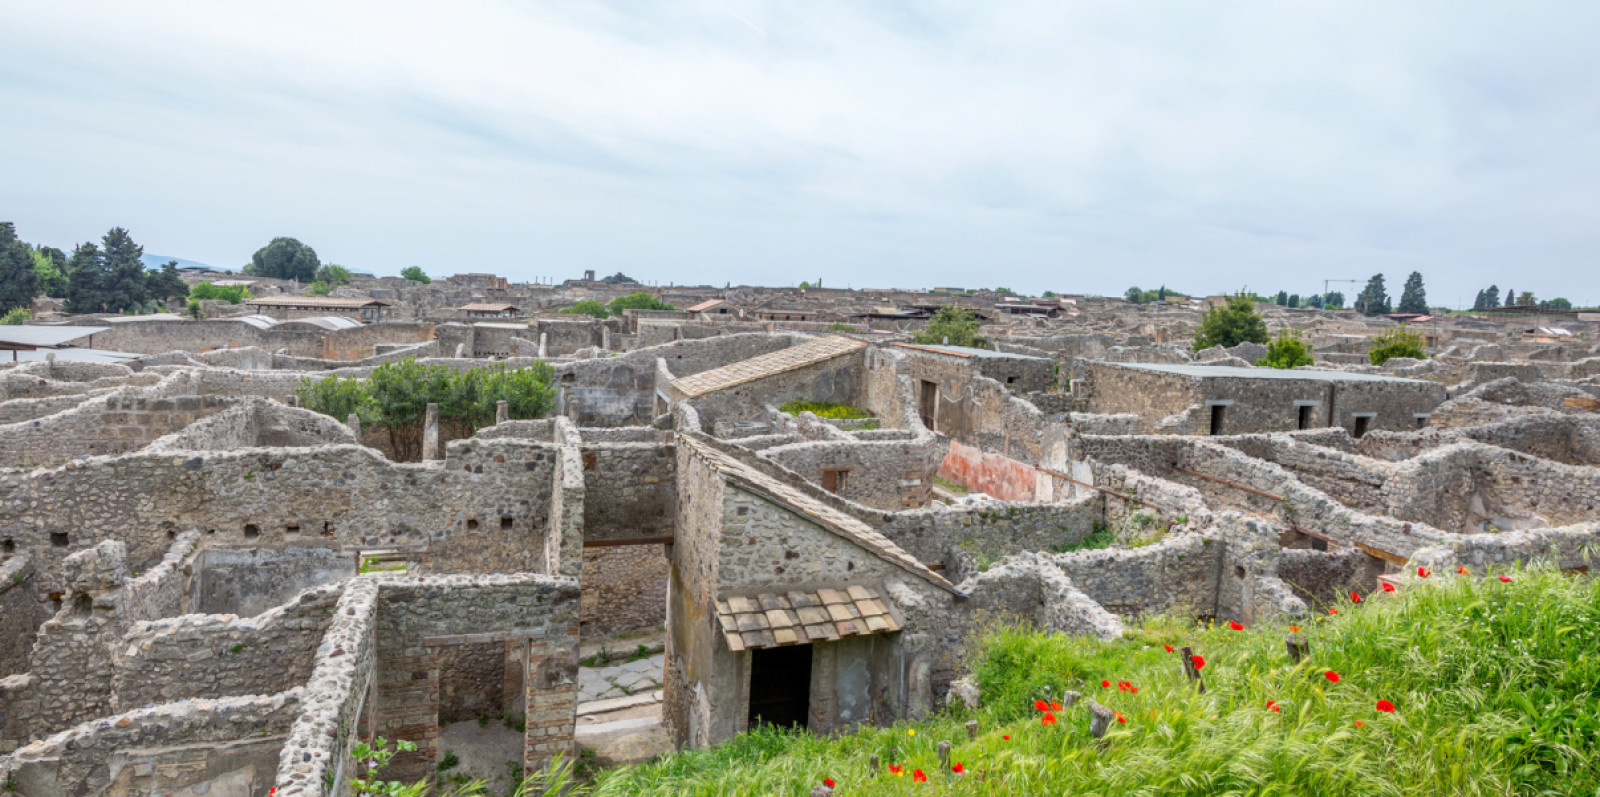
x,y
328,322
1237,372
492,325
123,319
316,302
968,351
830,519
705,305
30,336
257,320
766,365
77,355
488,307
774,619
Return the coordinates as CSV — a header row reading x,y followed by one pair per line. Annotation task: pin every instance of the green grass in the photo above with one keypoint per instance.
x,y
1497,688
1101,537
825,409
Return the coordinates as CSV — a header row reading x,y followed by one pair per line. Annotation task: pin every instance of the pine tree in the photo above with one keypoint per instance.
x,y
18,280
1373,299
1511,298
1413,298
1491,297
165,283
85,277
1294,300
1282,299
1477,302
124,286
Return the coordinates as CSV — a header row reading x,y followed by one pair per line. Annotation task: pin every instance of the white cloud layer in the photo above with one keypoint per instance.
x,y
1069,146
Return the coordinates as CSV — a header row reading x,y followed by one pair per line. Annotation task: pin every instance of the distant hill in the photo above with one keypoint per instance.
x,y
157,261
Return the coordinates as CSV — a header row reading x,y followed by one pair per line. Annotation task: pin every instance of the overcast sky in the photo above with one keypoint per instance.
x,y
1074,146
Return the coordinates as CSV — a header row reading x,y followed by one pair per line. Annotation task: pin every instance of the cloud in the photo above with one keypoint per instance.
x,y
1037,145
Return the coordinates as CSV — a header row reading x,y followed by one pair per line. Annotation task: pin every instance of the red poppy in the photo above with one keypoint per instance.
x,y
1333,611
1385,706
1105,684
1054,706
1355,597
1168,647
1295,628
1423,572
1007,738
1049,718
1272,705
1505,578
1199,661
827,782
919,776
1360,724
1121,719
894,769
1387,587
1332,676
1463,571
1235,626
1040,705
958,769
1123,686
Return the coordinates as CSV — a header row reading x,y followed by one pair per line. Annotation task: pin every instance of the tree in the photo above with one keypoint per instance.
x,y
284,259
1477,302
1334,300
165,283
1511,298
51,279
1048,295
1288,350
1294,300
1373,299
1314,301
1161,293
232,294
1526,299
1558,303
15,316
18,280
333,275
951,325
1282,299
638,300
414,273
1413,299
588,307
85,273
1134,295
1491,297
1234,323
318,288
1397,342
619,278
805,286
123,288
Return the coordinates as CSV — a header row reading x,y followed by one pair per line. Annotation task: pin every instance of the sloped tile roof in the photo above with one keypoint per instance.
x,y
705,305
798,617
826,516
766,365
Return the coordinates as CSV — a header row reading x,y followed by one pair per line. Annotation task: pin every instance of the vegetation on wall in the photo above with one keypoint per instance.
x,y
232,294
589,307
396,395
1397,342
825,409
1231,324
638,300
414,273
1288,350
953,326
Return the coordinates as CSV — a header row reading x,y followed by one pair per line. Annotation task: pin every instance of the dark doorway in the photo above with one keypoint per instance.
x,y
1305,416
780,686
1217,411
1361,427
925,402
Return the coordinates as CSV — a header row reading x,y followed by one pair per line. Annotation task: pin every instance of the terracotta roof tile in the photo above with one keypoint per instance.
x,y
804,624
766,365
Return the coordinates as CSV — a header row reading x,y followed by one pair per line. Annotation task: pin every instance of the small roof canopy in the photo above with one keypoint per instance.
x,y
28,336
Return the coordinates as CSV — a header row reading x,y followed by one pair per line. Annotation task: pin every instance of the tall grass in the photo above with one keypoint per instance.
x,y
1496,686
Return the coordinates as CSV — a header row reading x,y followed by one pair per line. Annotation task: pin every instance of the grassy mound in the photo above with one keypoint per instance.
x,y
1495,687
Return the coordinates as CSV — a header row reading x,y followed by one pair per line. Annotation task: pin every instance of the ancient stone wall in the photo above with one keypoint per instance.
x,y
837,380
1324,577
22,611
248,581
1180,573
888,475
27,409
630,489
991,531
624,588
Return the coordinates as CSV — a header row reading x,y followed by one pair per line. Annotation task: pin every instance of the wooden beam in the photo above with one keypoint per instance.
x,y
1391,558
628,541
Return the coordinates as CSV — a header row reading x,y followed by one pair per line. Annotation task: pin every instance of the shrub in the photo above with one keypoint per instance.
x,y
318,288
825,409
16,316
232,294
1230,325
1288,350
414,273
952,325
638,300
588,307
1397,342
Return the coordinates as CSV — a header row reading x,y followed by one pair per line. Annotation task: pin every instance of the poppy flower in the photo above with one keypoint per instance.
x,y
1332,676
1040,705
1295,628
1007,738
1355,597
1121,719
1049,718
1385,706
1333,611
1235,626
1105,684
1272,705
827,782
897,770
958,769
1387,587
1423,572
919,776
1054,706
1198,660
1463,571
1168,647
1360,724
1505,578
1123,686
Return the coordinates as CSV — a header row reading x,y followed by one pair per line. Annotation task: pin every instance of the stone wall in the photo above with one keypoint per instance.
x,y
1321,578
889,475
838,380
257,423
124,420
624,588
249,581
630,490
992,531
22,611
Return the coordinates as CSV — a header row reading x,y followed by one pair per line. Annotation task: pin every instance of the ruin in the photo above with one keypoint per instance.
x,y
205,586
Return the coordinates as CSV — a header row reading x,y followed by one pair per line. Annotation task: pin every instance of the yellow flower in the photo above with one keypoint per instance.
x,y
911,731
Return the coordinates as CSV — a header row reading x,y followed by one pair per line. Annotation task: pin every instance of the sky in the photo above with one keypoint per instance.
x,y
1070,146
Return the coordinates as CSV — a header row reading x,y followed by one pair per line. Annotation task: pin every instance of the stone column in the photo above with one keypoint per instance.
x,y
502,411
430,434
552,694
543,339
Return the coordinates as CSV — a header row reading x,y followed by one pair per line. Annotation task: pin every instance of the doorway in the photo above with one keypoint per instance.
x,y
780,686
927,400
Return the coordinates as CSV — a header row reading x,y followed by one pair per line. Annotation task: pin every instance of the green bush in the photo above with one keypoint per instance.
x,y
638,300
396,395
1397,342
1230,325
825,409
232,294
15,316
414,273
1288,350
318,288
952,325
588,307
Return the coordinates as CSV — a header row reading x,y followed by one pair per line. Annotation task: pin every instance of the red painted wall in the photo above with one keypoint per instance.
x,y
997,475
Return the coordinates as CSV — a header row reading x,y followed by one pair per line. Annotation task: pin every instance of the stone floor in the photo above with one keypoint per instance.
x,y
620,679
483,751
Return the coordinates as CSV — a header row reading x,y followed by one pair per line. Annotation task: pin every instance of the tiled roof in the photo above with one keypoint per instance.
x,y
806,506
486,308
797,618
314,301
766,365
705,305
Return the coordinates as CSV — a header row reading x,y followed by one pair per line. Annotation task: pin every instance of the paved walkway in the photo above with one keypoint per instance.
x,y
620,679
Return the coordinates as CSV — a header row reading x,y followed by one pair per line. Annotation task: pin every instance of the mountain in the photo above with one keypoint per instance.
x,y
157,261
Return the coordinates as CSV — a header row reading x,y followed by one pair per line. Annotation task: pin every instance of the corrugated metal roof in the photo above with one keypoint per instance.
x,y
76,355
30,336
257,320
1236,372
315,302
328,322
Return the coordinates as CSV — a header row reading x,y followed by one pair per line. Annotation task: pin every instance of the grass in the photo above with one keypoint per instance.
x,y
1497,689
825,409
1101,537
